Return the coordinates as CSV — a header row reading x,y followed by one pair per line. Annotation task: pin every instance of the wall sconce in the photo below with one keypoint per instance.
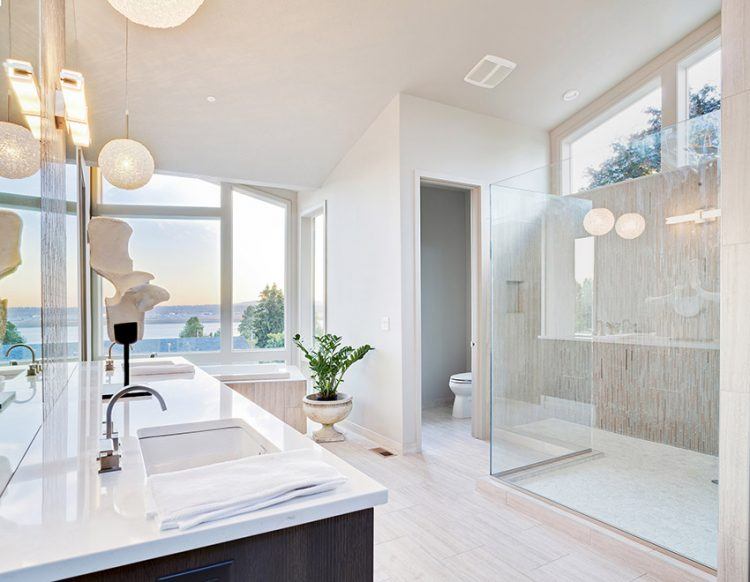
x,y
21,77
698,217
76,111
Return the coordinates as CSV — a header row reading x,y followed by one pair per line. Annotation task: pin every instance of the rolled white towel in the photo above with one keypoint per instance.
x,y
155,370
184,499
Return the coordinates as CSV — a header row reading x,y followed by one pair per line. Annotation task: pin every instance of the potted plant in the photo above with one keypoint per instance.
x,y
328,362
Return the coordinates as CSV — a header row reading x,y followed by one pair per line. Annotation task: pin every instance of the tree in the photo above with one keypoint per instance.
x,y
192,328
640,154
12,335
262,324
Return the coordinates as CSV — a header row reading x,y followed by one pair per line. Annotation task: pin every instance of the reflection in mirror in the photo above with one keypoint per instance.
x,y
20,258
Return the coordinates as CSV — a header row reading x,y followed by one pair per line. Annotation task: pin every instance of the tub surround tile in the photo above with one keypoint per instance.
x,y
282,398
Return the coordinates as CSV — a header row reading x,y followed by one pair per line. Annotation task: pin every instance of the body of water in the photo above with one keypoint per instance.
x,y
154,330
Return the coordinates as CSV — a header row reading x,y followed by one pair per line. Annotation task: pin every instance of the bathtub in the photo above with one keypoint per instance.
x,y
249,372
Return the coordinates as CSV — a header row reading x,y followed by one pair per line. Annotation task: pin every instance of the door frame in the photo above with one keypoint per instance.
x,y
480,297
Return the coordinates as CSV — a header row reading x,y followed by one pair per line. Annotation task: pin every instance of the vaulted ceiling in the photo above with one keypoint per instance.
x,y
296,82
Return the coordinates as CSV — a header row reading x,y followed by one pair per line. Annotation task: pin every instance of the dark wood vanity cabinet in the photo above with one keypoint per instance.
x,y
337,549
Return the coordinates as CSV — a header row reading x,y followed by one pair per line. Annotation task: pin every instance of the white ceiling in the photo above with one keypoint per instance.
x,y
298,81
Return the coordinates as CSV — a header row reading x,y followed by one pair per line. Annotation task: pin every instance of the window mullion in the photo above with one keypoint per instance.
x,y
227,265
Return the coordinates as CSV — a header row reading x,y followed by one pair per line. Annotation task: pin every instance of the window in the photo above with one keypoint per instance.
x,y
221,252
584,275
319,274
184,257
259,243
703,84
625,146
701,73
22,289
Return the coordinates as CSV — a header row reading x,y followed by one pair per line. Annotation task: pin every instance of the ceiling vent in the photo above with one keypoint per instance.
x,y
490,71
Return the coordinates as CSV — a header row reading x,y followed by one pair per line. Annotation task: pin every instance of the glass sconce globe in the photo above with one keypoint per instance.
x,y
126,163
630,225
19,151
157,13
598,221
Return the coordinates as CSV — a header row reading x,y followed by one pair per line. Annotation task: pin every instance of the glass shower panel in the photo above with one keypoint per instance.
x,y
542,410
605,339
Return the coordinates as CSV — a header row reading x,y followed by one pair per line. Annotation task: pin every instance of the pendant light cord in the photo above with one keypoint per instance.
x,y
10,52
127,111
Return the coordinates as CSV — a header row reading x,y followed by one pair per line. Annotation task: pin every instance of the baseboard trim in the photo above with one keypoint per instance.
x,y
375,437
660,562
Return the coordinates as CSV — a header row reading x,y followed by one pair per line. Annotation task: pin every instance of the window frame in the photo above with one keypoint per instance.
x,y
223,214
567,142
307,267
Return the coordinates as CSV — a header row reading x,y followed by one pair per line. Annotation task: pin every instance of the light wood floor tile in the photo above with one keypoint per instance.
x,y
436,526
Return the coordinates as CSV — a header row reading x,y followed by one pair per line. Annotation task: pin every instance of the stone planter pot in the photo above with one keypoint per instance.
x,y
327,413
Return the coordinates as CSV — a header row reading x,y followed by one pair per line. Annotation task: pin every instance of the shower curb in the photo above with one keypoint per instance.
x,y
599,537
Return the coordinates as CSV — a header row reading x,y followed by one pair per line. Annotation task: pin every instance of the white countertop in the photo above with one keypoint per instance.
x,y
60,518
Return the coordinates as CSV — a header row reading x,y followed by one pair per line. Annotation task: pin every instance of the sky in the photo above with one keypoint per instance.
x,y
182,254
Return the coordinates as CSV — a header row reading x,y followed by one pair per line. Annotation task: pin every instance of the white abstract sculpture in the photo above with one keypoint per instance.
x,y
10,256
109,256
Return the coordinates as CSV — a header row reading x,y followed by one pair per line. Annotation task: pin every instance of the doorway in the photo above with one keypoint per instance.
x,y
446,314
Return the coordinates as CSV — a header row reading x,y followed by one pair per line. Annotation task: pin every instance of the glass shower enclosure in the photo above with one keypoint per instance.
x,y
605,341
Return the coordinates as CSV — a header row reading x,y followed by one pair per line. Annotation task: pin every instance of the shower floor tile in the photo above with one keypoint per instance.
x,y
660,493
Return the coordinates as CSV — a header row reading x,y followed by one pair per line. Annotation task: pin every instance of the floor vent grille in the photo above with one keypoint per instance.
x,y
383,452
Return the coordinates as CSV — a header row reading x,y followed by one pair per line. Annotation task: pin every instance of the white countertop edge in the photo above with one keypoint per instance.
x,y
203,536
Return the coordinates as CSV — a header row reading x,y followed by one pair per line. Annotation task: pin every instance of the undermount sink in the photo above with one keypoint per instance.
x,y
184,446
10,372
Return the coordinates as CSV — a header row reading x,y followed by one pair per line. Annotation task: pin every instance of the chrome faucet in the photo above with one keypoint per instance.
x,y
35,367
109,454
109,363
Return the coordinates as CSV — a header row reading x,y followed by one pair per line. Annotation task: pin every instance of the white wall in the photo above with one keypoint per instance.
x,y
445,292
363,278
445,142
371,240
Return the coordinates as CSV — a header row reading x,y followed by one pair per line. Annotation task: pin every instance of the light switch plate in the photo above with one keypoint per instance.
x,y
385,323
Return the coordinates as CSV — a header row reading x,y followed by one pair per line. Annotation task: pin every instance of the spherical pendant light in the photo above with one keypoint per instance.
x,y
598,221
630,226
157,13
19,151
126,163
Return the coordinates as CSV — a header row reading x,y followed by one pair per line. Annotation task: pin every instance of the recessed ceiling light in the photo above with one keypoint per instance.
x,y
211,99
571,94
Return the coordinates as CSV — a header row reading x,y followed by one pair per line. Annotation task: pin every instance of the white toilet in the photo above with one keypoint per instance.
x,y
460,384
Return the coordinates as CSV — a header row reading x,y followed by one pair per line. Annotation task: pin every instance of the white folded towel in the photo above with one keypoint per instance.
x,y
184,499
155,370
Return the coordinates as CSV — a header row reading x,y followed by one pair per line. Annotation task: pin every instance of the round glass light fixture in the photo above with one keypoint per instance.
x,y
19,151
157,13
126,163
630,225
571,95
598,221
